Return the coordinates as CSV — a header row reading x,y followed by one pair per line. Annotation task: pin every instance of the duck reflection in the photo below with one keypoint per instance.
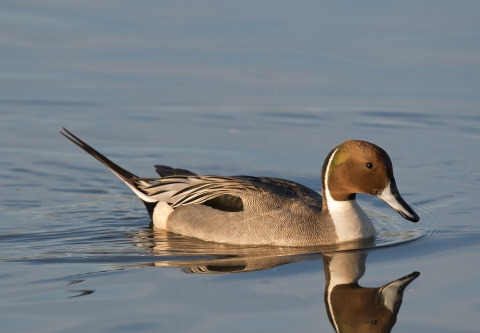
x,y
174,250
350,307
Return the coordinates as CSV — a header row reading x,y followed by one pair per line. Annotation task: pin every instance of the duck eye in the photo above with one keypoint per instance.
x,y
369,165
373,322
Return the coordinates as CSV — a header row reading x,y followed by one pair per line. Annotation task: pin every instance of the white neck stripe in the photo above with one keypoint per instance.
x,y
349,219
325,178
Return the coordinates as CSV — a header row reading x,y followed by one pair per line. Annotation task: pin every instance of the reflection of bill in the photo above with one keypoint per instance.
x,y
352,308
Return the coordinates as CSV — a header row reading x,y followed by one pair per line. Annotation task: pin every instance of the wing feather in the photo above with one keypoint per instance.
x,y
186,190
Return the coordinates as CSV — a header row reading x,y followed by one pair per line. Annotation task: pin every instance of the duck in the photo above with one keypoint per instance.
x,y
248,210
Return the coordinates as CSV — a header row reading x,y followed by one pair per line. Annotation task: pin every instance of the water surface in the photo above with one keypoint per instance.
x,y
153,84
76,243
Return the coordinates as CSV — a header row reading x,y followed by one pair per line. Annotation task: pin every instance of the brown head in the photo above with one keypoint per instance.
x,y
361,167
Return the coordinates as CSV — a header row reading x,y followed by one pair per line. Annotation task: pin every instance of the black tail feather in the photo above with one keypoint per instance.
x,y
119,170
124,174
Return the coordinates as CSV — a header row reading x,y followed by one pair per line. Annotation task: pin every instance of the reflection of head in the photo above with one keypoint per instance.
x,y
352,308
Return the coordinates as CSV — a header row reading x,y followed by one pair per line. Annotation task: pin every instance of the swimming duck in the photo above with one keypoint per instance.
x,y
268,211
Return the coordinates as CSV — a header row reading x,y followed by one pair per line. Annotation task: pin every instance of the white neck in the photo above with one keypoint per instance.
x,y
350,220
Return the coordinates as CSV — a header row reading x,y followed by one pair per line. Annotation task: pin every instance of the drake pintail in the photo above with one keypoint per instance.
x,y
268,211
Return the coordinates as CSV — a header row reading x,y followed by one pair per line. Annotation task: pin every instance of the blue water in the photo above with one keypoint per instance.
x,y
263,89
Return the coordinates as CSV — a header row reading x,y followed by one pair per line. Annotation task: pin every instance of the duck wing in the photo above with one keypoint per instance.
x,y
225,193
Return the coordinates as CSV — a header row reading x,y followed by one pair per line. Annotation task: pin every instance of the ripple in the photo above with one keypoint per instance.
x,y
394,238
120,238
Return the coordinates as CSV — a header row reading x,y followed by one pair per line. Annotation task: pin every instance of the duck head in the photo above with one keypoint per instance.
x,y
361,167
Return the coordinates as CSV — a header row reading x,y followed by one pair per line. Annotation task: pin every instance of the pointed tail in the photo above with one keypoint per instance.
x,y
126,176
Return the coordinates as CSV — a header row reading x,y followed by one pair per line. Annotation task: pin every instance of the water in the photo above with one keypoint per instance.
x,y
156,84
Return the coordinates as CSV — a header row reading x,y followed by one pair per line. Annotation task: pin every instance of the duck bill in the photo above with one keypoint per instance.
x,y
391,197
